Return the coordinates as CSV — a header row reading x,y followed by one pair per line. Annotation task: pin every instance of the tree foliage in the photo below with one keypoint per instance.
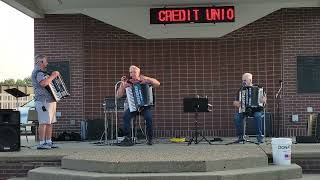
x,y
19,82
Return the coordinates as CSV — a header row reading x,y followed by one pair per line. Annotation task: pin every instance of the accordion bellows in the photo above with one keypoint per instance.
x,y
249,97
58,89
139,96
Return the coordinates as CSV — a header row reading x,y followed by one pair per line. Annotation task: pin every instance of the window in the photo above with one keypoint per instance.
x,y
308,74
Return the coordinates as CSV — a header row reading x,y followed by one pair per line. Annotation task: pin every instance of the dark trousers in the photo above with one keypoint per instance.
x,y
147,114
238,120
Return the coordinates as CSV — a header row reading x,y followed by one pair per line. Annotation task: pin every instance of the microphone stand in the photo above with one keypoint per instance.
x,y
278,99
116,108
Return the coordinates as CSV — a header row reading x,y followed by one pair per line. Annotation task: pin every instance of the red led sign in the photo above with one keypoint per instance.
x,y
212,14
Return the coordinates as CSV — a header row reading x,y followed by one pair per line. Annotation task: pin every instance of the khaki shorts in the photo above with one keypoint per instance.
x,y
47,115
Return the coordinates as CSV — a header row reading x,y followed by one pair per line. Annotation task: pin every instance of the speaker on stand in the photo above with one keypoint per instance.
x,y
313,128
251,127
9,130
318,127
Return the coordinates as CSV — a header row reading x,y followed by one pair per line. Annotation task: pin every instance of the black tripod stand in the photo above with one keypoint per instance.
x,y
196,105
196,133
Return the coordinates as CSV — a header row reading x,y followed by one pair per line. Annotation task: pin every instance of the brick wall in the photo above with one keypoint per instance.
x,y
20,168
301,35
100,54
60,38
308,165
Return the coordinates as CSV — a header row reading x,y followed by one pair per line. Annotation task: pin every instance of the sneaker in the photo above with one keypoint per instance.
x,y
43,146
51,145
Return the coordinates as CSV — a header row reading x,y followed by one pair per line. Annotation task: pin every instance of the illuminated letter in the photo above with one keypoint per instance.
x,y
161,16
208,15
215,14
196,15
230,14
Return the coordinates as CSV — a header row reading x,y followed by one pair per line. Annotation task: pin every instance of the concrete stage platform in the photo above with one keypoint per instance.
x,y
164,160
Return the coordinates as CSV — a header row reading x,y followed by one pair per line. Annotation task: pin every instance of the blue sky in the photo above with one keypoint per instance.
x,y
16,43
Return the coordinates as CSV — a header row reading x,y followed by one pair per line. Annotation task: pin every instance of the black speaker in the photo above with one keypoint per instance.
x,y
307,139
318,126
9,130
95,129
251,126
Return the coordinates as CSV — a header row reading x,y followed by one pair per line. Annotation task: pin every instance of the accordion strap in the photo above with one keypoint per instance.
x,y
45,72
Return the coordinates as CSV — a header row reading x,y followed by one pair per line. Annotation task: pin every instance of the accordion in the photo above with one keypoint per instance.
x,y
250,98
139,96
58,89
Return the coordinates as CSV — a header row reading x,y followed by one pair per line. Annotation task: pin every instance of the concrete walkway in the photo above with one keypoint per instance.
x,y
77,154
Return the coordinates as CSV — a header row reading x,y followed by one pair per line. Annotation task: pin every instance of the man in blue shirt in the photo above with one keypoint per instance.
x,y
136,77
45,104
257,113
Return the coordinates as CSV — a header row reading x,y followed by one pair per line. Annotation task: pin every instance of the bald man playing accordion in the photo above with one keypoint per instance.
x,y
136,78
256,112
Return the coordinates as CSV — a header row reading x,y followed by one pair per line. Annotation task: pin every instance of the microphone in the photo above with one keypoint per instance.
x,y
129,80
278,93
243,84
210,106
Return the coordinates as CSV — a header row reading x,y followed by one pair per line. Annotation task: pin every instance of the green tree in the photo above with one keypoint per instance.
x,y
28,81
10,82
20,82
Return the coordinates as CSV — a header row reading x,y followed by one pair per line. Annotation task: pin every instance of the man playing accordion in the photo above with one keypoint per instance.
x,y
256,111
45,104
136,78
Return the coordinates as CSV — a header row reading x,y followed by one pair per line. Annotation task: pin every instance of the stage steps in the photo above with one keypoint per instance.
x,y
158,166
309,177
305,177
168,163
171,160
260,173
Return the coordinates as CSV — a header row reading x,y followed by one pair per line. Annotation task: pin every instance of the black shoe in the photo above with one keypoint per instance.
x,y
240,140
126,142
260,141
149,142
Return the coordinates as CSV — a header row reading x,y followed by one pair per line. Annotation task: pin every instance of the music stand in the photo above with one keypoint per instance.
x,y
17,94
196,105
